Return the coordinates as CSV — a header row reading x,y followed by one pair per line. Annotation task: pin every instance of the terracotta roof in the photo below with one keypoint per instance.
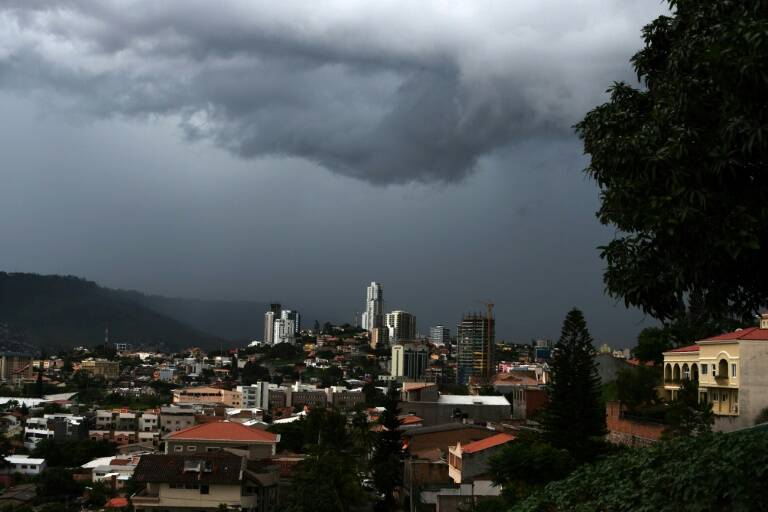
x,y
117,503
410,419
224,431
202,468
689,348
488,442
411,386
750,333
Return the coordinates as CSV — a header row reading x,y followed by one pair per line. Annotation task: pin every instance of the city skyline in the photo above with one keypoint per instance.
x,y
440,161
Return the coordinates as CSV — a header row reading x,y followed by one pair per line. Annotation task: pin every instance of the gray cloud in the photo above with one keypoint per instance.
x,y
384,92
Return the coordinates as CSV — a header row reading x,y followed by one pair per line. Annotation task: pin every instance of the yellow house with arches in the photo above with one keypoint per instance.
x,y
732,373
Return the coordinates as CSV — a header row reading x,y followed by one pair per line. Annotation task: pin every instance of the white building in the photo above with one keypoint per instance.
x,y
402,326
255,395
284,331
24,464
269,322
372,316
440,335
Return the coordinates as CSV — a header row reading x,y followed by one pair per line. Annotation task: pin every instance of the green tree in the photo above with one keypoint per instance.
x,y
636,387
652,342
253,373
708,473
680,163
524,466
57,483
575,416
687,415
387,462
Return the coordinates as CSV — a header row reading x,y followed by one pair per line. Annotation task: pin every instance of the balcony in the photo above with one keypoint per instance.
x,y
145,498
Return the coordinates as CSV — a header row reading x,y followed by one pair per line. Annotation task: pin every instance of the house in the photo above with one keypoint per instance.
x,y
114,470
731,370
173,418
24,464
419,391
203,481
467,462
210,437
57,426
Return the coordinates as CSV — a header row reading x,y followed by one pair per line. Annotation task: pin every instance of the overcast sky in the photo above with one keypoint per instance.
x,y
295,151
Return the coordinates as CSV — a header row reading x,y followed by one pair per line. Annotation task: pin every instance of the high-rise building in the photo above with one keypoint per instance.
x,y
284,331
294,316
374,303
269,322
402,326
409,361
440,335
476,337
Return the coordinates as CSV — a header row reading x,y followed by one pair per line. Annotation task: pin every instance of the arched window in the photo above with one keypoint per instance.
x,y
695,372
722,369
676,373
668,373
686,372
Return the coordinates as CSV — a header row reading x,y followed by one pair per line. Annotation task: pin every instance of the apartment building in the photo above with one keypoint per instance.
x,y
15,367
207,395
731,370
57,426
215,436
203,481
173,418
101,368
255,395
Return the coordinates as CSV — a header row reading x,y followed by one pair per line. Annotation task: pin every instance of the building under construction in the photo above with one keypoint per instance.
x,y
476,339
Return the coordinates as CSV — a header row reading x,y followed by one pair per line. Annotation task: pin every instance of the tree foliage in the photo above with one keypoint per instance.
x,y
681,163
687,415
636,387
387,461
575,416
708,473
71,453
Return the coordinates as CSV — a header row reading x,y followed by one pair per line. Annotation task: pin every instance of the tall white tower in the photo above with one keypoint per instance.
x,y
373,317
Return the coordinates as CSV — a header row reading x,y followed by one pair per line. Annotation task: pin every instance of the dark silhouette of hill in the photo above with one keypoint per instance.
x,y
64,311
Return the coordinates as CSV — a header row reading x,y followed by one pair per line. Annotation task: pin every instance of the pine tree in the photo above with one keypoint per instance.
x,y
387,462
575,416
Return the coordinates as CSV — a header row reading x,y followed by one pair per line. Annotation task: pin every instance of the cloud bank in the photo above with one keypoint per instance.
x,y
385,92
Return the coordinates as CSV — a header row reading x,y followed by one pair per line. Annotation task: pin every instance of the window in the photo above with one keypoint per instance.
x,y
191,448
714,369
204,489
178,448
733,369
724,397
704,369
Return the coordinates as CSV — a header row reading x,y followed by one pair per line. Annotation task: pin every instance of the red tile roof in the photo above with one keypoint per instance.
x,y
750,333
224,431
410,419
488,442
689,348
118,502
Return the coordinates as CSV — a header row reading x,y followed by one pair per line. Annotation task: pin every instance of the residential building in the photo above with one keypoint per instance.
x,y
420,391
475,337
219,435
149,422
343,398
116,471
15,367
207,395
731,370
379,337
120,419
24,464
469,461
401,325
203,481
59,426
409,361
101,368
374,304
440,335
269,322
293,316
284,331
173,418
255,395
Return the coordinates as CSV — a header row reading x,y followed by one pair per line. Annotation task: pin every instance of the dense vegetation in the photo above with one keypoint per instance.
x,y
681,164
56,311
711,472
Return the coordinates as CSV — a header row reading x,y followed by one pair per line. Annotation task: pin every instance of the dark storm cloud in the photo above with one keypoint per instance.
x,y
384,92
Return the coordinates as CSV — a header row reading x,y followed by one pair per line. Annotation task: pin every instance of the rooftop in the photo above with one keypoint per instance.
x,y
750,333
206,468
224,431
473,400
689,348
488,442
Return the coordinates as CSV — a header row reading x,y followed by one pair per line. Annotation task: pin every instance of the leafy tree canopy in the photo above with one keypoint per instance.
x,y
681,163
711,472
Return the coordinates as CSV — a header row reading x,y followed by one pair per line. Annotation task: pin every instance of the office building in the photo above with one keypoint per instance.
x,y
440,335
475,337
409,361
402,326
294,317
373,314
269,322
